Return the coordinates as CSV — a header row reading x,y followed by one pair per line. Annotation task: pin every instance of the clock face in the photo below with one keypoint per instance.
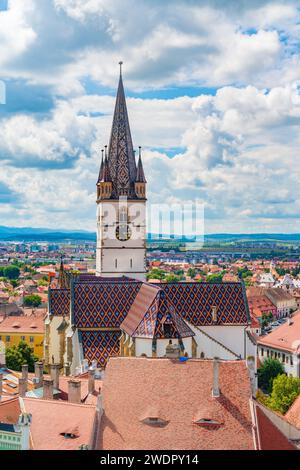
x,y
123,232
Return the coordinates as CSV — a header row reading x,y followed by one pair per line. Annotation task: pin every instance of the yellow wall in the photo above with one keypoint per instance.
x,y
15,338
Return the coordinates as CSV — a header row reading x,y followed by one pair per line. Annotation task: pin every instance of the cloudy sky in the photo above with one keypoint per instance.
x,y
213,92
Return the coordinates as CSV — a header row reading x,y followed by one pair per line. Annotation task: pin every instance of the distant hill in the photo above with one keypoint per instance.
x,y
29,234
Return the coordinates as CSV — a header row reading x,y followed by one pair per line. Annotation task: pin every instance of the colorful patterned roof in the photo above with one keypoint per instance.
x,y
59,301
102,304
100,345
150,311
194,302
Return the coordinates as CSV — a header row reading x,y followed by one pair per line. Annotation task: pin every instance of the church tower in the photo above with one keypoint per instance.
x,y
121,202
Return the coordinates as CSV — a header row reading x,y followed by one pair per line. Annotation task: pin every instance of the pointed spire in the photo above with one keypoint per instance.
x,y
62,278
140,175
121,159
101,168
106,172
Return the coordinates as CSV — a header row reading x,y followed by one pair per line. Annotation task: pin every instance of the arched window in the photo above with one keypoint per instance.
x,y
131,263
116,263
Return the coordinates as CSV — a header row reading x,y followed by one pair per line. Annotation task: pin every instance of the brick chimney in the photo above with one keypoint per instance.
x,y
74,391
38,370
22,387
216,387
54,373
25,372
48,389
252,374
91,380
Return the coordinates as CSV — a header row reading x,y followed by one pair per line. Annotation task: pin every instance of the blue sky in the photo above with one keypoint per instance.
x,y
213,98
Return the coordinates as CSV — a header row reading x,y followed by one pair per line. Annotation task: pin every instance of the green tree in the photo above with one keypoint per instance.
x,y
214,277
14,282
269,370
156,274
285,390
11,272
191,272
18,355
32,300
172,278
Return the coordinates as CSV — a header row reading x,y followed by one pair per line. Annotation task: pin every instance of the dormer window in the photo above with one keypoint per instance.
x,y
72,433
208,422
155,421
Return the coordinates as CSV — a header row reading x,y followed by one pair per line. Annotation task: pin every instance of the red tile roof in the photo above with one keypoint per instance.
x,y
10,411
286,337
179,394
269,436
293,414
22,324
51,418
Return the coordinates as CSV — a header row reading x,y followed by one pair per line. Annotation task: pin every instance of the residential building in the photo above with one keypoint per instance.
x,y
284,302
283,344
23,328
34,424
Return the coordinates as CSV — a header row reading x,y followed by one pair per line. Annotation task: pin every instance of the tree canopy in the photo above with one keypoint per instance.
x,y
11,272
268,371
32,300
16,356
285,390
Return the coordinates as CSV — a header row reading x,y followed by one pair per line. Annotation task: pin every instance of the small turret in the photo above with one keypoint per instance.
x,y
104,184
62,278
101,168
140,182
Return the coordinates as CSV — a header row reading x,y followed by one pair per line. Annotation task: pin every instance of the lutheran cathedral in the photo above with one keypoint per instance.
x,y
116,312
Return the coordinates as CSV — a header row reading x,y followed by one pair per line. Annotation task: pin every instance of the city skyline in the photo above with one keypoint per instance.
x,y
212,96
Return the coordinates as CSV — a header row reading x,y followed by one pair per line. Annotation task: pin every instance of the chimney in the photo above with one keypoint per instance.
x,y
91,380
48,389
74,391
2,355
252,374
38,370
54,373
67,369
216,389
1,385
25,372
22,387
